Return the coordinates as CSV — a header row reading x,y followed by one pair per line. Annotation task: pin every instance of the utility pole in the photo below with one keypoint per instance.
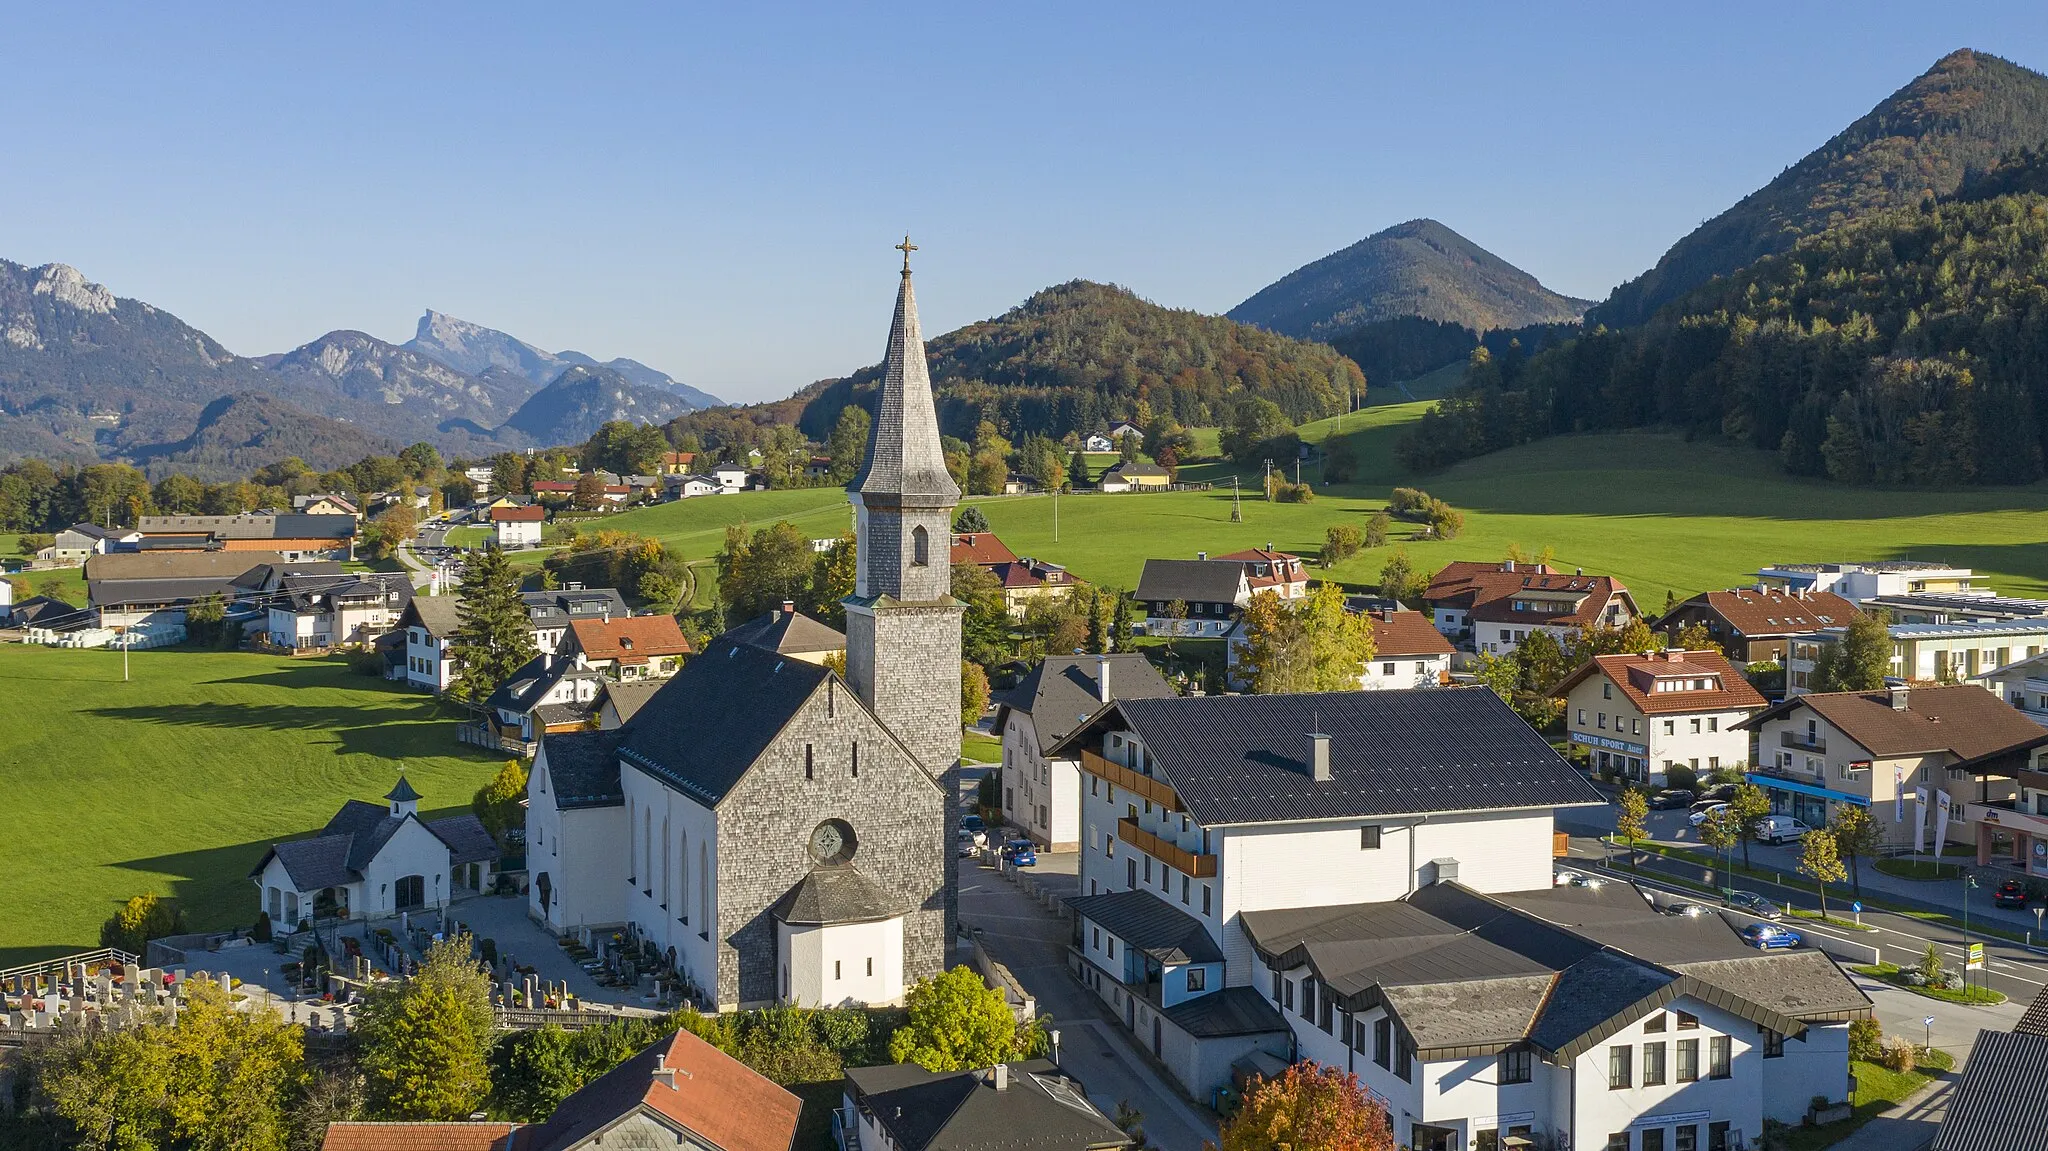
x,y
1236,508
1055,512
1269,481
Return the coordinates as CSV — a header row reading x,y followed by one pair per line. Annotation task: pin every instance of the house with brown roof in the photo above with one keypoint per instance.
x,y
1754,625
677,463
1408,651
1266,569
678,1092
1025,580
1488,607
1641,714
630,647
518,527
980,549
1906,752
787,631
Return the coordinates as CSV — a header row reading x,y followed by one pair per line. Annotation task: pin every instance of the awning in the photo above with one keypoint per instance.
x,y
1778,783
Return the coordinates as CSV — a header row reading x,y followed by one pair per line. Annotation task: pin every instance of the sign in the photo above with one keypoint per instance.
x,y
1601,741
1898,794
1941,823
1857,907
1927,1022
1919,820
1974,961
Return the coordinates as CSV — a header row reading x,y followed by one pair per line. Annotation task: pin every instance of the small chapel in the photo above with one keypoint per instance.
x,y
778,833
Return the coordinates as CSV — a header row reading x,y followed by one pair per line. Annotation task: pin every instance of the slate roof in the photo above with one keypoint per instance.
x,y
789,632
627,698
1231,1011
834,893
338,855
523,690
1243,759
1964,720
903,455
298,589
705,728
312,863
1191,581
722,1102
1635,674
557,608
584,766
1405,635
1150,924
467,839
42,611
1062,691
1998,1104
1040,1110
1130,468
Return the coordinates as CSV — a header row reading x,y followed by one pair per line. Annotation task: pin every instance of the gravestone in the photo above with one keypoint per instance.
x,y
131,978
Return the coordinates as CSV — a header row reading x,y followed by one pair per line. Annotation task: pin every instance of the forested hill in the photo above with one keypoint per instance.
x,y
1080,356
1907,348
1921,141
1419,268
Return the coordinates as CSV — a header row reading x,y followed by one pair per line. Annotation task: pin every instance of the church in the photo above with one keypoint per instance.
x,y
777,833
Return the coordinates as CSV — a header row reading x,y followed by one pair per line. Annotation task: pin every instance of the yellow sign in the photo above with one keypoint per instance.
x,y
1975,959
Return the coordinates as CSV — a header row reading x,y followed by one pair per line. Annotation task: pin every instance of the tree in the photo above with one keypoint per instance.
x,y
1397,577
1695,637
973,693
1376,529
847,446
625,448
493,635
1312,644
955,1021
532,1072
589,494
1749,805
1258,430
1856,835
985,625
1340,542
141,919
500,804
1077,470
1120,622
1631,820
425,1040
832,579
203,619
1098,619
395,526
1720,831
1445,521
1308,1108
756,573
1129,446
1819,858
1863,657
970,519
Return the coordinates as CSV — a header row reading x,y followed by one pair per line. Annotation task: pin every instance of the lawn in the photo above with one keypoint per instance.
x,y
1919,869
1878,1090
177,781
67,584
471,536
976,747
1968,993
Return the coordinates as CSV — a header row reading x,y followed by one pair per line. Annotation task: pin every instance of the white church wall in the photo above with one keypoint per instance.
x,y
844,963
412,850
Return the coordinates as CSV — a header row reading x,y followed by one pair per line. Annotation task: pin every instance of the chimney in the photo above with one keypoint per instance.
x,y
1319,756
663,1073
1898,698
1578,571
789,607
1508,566
1102,679
1201,555
1000,1073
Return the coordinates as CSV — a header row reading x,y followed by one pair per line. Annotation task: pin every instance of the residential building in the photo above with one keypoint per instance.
x,y
348,610
678,1092
1757,625
1897,752
629,647
325,504
553,611
1118,431
1199,810
429,624
518,527
1197,597
1097,442
1641,714
732,477
130,589
1029,1105
551,693
1026,580
1998,1104
787,631
787,834
1929,652
677,463
980,549
558,489
687,486
375,860
1408,651
1494,607
71,547
1042,792
1278,572
1857,582
1134,476
296,537
1566,1015
2023,684
481,477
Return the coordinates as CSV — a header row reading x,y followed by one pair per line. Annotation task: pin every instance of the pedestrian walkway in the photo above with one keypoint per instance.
x,y
1908,1127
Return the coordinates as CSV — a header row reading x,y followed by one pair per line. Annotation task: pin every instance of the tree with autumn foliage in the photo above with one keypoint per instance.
x,y
1310,644
1309,1108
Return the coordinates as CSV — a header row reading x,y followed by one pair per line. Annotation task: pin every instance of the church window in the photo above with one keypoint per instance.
x,y
683,877
920,546
807,761
856,759
835,969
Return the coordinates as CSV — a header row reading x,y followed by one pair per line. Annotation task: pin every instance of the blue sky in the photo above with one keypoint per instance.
x,y
715,190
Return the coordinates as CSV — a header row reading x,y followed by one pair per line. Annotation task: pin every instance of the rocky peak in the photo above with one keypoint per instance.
x,y
67,285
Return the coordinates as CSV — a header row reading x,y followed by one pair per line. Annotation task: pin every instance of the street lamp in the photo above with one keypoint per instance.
x,y
1969,881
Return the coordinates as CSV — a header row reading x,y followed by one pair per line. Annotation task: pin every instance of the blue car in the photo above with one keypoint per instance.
x,y
1770,937
1020,853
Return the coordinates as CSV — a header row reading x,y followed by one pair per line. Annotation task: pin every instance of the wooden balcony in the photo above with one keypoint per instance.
x,y
1143,786
1188,862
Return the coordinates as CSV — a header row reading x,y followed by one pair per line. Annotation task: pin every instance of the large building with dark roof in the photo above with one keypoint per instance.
x,y
375,860
1042,792
1029,1105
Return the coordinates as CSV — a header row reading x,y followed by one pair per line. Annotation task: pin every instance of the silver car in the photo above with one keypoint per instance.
x,y
1755,904
1687,910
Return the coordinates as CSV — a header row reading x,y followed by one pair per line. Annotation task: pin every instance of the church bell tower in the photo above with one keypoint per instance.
x,y
902,622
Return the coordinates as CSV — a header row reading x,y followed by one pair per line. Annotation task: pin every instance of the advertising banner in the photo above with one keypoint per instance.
x,y
1919,820
1898,794
1941,824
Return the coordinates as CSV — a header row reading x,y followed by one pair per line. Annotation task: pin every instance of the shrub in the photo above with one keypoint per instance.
x,y
366,661
1866,1040
261,932
1899,1054
1679,775
1287,493
1930,964
1409,500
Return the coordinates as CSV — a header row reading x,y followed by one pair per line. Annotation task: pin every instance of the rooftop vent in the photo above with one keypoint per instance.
x,y
1000,1076
1102,679
1319,756
1898,697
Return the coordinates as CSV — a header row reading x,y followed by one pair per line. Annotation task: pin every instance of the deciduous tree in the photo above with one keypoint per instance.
x,y
1308,1108
1856,835
956,1021
1631,820
1820,858
973,693
425,1040
1720,831
500,804
1311,644
1749,805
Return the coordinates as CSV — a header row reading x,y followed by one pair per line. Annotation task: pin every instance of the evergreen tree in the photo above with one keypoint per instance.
x,y
425,1040
494,635
1077,470
1120,623
970,519
1098,627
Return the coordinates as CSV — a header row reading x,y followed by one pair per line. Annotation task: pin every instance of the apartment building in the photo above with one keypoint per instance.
x,y
1638,715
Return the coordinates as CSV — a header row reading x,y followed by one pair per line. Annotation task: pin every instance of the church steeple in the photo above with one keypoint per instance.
x,y
904,458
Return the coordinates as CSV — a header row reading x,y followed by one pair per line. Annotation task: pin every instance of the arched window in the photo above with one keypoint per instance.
x,y
665,873
683,874
703,891
920,546
647,850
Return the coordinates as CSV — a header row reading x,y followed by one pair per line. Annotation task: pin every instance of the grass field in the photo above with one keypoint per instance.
x,y
177,781
67,584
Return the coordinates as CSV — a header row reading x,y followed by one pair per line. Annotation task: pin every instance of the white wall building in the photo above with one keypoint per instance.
x,y
1041,792
372,861
1639,714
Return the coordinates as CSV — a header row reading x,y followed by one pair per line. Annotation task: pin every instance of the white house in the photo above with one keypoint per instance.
x,y
1041,793
551,693
1098,443
573,796
553,611
372,861
1494,607
429,624
731,477
313,611
1639,714
518,527
1119,430
683,487
70,547
1408,652
1941,652
1198,597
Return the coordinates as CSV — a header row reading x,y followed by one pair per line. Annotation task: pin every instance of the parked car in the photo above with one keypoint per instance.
x,y
1770,937
1020,853
1755,904
1779,828
1702,814
1687,910
967,844
972,823
2011,893
1670,799
1719,793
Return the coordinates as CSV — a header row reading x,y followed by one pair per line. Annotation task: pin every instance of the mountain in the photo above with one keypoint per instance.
x,y
237,434
473,348
1080,356
366,370
571,408
1923,140
1419,268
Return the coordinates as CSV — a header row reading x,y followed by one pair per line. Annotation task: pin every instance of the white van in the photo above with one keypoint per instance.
x,y
1779,828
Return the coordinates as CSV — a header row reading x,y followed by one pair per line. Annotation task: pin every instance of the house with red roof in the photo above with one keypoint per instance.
x,y
630,647
518,527
1640,714
1493,607
1278,572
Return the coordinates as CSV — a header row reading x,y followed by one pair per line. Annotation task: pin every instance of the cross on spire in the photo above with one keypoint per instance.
x,y
906,247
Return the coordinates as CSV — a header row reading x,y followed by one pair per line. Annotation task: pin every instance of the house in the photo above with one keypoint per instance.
x,y
1898,752
1278,572
677,463
1019,484
482,477
787,631
2023,684
1639,715
1928,652
551,693
1041,793
980,549
70,547
553,611
766,827
1998,1103
1030,1105
556,489
1756,625
429,624
1098,443
629,647
41,611
1407,650
296,537
1198,810
323,611
1134,476
1495,607
619,700
684,486
1197,597
818,467
131,589
736,478
1118,431
1858,582
325,504
1563,1015
518,527
678,1092
372,861
1025,580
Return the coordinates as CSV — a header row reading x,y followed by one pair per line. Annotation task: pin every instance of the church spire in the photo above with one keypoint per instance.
x,y
904,459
